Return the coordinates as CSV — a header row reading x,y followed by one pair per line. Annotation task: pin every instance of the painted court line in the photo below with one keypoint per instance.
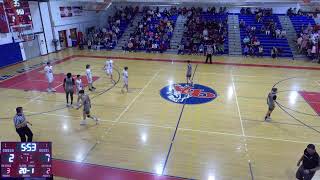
x,y
138,95
126,109
242,128
187,129
202,62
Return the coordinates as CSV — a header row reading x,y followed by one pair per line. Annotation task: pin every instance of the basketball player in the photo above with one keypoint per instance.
x,y
189,72
79,85
108,68
271,103
68,86
86,103
89,78
125,79
49,74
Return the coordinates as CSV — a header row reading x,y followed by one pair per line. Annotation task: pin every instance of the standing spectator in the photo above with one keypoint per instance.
x,y
209,54
201,49
89,44
260,51
274,52
181,49
21,125
246,51
278,33
310,163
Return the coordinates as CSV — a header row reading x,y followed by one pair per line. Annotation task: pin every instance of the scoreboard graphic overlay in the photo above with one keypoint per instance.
x,y
32,159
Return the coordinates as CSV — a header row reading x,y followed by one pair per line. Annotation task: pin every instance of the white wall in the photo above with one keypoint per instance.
x,y
35,14
47,26
81,23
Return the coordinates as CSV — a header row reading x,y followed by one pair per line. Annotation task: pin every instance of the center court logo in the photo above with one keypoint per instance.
x,y
183,93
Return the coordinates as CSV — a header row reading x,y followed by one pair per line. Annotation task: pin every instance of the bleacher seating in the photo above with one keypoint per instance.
x,y
137,36
209,17
123,26
299,21
266,40
156,21
218,17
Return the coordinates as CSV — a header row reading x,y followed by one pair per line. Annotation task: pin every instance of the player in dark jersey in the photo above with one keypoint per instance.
x,y
189,73
272,97
86,103
68,86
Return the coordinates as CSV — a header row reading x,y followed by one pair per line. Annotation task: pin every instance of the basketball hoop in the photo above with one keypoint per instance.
x,y
22,33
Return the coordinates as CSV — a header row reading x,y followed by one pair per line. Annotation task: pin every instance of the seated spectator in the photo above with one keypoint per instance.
x,y
313,51
205,32
130,46
251,51
154,47
263,29
242,23
256,43
242,11
283,34
268,31
289,12
246,40
299,42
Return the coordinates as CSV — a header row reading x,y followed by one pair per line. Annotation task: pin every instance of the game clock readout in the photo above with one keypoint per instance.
x,y
26,159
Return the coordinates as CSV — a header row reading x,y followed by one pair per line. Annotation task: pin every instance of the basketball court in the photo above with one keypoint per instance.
x,y
144,132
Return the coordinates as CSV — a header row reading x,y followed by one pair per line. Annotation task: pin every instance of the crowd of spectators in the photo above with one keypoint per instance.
x,y
308,40
251,43
107,37
154,32
203,32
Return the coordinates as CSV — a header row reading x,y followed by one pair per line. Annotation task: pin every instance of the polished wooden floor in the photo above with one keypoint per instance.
x,y
214,141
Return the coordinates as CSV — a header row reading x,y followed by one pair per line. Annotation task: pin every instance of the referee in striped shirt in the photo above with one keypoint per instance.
x,y
22,128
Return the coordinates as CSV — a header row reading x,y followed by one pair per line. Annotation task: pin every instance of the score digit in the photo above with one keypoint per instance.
x,y
48,170
11,157
33,147
23,171
8,170
48,156
28,147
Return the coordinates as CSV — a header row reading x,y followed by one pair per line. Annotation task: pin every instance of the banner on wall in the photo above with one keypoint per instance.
x,y
71,11
18,12
77,11
3,20
65,12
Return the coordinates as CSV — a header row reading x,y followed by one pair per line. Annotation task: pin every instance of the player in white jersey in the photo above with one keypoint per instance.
x,y
49,75
108,67
125,77
89,77
79,85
